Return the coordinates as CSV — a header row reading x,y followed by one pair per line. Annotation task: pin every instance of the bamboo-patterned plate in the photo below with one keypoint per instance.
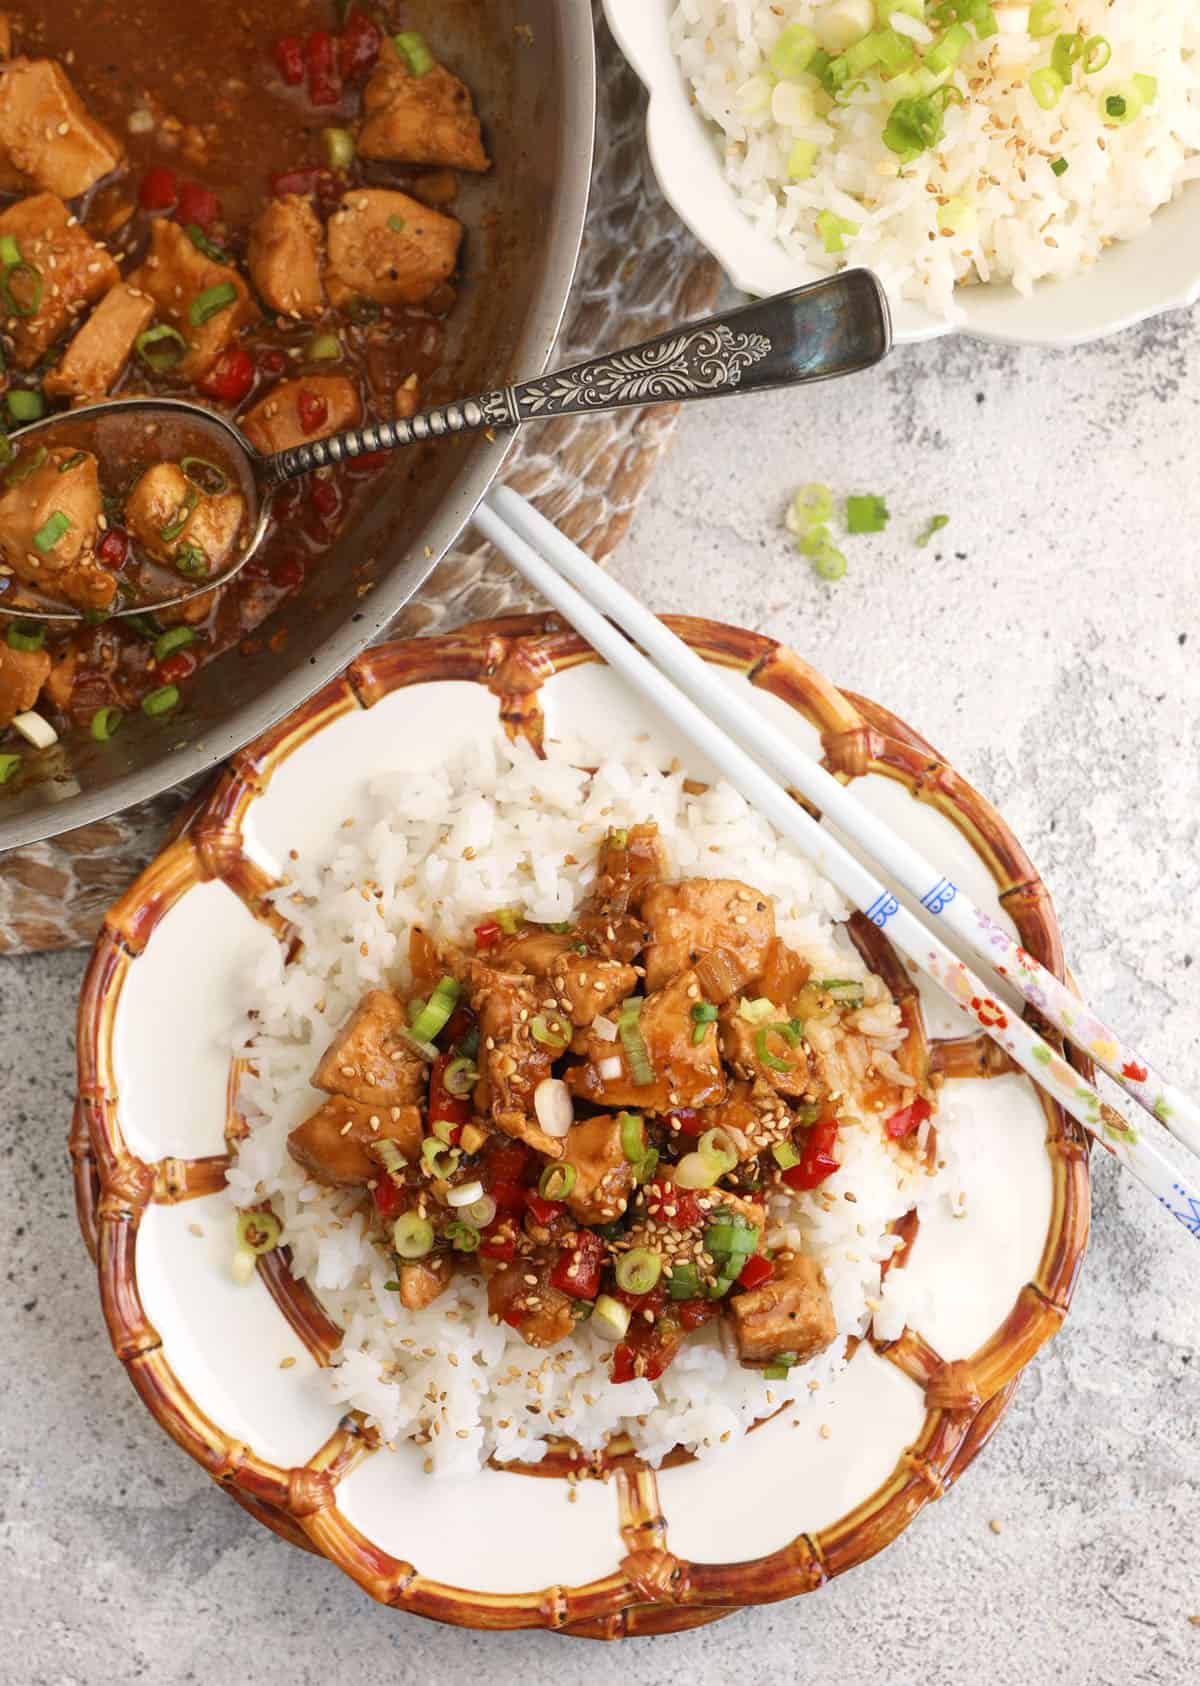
x,y
635,1551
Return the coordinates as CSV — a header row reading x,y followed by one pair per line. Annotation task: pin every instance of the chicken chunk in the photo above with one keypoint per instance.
x,y
367,1059
326,403
631,859
685,1073
176,522
755,1117
589,984
789,1317
52,242
512,1062
50,523
92,363
22,675
47,133
542,1315
6,36
386,247
603,1176
286,257
689,919
335,1144
782,1060
183,281
427,119
424,1280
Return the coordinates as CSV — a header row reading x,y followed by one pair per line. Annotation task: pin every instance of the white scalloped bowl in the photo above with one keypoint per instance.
x,y
235,1381
1133,280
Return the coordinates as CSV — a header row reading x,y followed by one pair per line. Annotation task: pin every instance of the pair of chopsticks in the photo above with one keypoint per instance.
x,y
719,723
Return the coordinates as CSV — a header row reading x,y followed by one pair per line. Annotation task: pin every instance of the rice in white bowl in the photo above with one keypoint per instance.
x,y
442,847
1012,192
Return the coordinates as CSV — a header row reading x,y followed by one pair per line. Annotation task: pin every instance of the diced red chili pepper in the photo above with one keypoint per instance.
x,y
258,568
647,1351
359,46
542,1211
113,548
288,573
669,1204
502,1247
445,1108
320,62
231,376
685,1121
296,181
487,935
180,664
579,1267
908,1119
692,1314
159,189
312,409
460,1023
653,1301
756,1271
817,1161
508,1161
514,1317
369,463
390,1201
624,1358
289,57
509,1197
197,205
272,362
327,500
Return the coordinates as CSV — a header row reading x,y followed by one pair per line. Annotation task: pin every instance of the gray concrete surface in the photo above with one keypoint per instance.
x,y
1049,646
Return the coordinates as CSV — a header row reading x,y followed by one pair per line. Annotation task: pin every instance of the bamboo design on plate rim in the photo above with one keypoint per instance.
x,y
650,1590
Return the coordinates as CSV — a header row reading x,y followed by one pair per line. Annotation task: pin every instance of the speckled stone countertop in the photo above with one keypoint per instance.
x,y
1048,645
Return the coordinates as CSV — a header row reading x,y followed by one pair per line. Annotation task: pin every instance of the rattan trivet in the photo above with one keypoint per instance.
x,y
639,272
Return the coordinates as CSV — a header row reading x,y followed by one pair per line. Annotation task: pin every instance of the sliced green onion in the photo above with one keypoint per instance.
x,y
51,530
143,625
849,991
758,1011
812,506
203,244
1046,86
610,1318
27,306
946,51
793,52
833,230
435,1014
694,1171
866,514
444,1129
619,837
549,1032
1096,54
1115,106
801,159
508,919
784,1155
730,1238
703,1014
414,50
438,1159
640,1068
557,1181
464,1238
10,252
323,348
633,1136
175,639
683,1282
1059,166
1147,86
180,519
191,560
24,405
259,1231
937,522
211,302
8,766
777,1370
338,147
1044,18
1128,99
460,1076
105,722
638,1270
644,1171
719,1148
1065,54
25,467
7,453
72,462
790,1035
26,635
208,476
412,1236
397,224
161,701
171,348
480,1213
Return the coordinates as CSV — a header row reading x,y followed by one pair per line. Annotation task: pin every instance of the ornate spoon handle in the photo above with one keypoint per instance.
x,y
833,327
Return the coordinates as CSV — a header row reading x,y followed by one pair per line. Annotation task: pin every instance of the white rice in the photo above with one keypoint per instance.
x,y
442,847
1013,218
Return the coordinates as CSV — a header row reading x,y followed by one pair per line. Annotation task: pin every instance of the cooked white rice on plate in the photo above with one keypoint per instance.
x,y
442,847
1015,190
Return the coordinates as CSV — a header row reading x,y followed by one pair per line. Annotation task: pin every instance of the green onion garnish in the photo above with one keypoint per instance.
x,y
551,1033
833,230
946,51
638,1270
397,224
460,1076
935,522
1046,85
414,51
161,701
784,1155
640,1068
8,766
633,1136
51,530
1115,105
161,348
866,514
72,462
26,635
24,405
793,52
191,560
438,1159
180,519
462,1237
211,302
174,639
323,348
703,1014
259,1231
683,1282
508,919
777,1370
1096,54
557,1181
791,1035
104,723
10,252
436,1012
26,466
1059,167
338,147
718,1148
412,1236
211,479
1044,18
1065,54
203,244
31,285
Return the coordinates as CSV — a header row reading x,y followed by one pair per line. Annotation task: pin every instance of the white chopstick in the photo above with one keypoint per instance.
x,y
1145,1151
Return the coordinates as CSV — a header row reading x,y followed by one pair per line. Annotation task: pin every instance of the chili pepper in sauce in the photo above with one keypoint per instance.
x,y
693,1314
445,1108
358,48
669,1204
487,935
159,189
231,376
817,1161
502,1247
541,1210
389,1200
113,549
580,1265
197,205
289,59
908,1119
180,664
313,410
756,1271
320,67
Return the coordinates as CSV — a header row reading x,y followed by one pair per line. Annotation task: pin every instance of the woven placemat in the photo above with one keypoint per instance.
x,y
640,271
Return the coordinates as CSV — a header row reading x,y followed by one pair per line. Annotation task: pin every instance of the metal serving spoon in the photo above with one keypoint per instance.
x,y
832,327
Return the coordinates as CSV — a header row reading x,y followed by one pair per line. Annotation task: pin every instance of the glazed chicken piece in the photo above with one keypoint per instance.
x,y
756,1050
603,1176
389,248
22,675
512,1063
688,920
205,301
178,523
91,365
630,860
54,243
286,257
427,119
423,1280
46,133
6,36
335,1144
790,1315
755,1116
588,983
368,1060
296,412
49,524
542,1315
685,1073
